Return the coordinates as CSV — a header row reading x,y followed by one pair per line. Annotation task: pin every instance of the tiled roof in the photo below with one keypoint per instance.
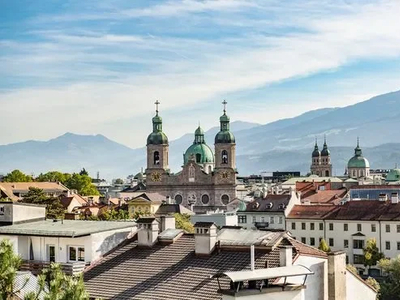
x,y
171,271
270,203
167,209
381,186
324,197
307,186
310,211
152,197
306,249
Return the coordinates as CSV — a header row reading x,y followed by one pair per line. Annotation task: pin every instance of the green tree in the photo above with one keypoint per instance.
x,y
371,253
84,172
390,286
352,269
372,282
17,176
53,176
54,207
9,265
119,181
83,184
324,246
182,221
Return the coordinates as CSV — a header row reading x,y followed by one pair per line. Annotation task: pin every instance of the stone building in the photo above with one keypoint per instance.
x,y
321,161
358,165
207,181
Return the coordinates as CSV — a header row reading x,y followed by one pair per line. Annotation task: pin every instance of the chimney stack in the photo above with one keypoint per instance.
x,y
395,198
285,256
205,237
167,222
337,275
147,231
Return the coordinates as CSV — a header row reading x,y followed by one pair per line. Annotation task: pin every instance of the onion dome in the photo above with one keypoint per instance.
x,y
316,152
224,136
325,151
199,151
358,160
157,137
393,175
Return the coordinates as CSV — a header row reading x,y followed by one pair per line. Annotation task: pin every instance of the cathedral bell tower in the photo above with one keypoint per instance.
x,y
157,150
225,147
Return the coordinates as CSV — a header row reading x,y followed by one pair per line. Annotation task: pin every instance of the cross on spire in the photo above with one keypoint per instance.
x,y
157,103
224,103
358,141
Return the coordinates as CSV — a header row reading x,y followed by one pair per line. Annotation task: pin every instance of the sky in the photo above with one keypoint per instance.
x,y
97,67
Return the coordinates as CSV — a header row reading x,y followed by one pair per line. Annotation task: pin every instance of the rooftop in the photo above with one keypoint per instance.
x,y
155,198
324,197
273,203
311,178
65,228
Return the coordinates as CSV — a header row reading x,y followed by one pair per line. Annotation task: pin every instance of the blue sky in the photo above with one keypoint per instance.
x,y
97,66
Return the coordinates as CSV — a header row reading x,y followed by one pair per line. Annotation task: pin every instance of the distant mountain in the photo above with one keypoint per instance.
x,y
282,145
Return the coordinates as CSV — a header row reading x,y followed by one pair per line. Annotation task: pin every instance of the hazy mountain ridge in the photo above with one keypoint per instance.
x,y
281,145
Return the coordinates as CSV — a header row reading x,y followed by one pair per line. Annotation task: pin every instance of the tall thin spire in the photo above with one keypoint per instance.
x,y
316,141
358,142
224,103
157,103
324,139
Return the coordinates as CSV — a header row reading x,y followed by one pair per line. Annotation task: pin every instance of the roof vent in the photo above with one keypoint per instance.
x,y
269,205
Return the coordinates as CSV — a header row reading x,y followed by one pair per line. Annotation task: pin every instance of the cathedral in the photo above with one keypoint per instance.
x,y
207,180
321,161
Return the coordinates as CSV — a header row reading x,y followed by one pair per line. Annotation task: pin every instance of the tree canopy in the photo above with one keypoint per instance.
x,y
390,287
9,265
371,253
83,184
182,221
54,207
17,176
53,176
324,246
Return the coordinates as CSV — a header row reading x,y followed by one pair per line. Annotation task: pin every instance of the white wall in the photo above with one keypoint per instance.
x,y
13,239
220,219
263,217
278,295
356,290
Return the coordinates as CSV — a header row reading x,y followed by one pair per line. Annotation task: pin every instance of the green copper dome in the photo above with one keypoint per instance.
x,y
358,160
393,175
224,136
199,151
157,137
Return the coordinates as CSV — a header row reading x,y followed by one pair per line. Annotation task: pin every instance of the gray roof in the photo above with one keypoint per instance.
x,y
65,228
25,282
242,237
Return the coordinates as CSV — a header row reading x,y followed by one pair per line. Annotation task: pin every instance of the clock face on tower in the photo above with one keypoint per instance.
x,y
225,175
156,176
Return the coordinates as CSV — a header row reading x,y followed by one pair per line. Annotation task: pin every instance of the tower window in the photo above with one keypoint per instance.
x,y
192,173
327,173
205,199
156,157
225,199
198,157
178,199
224,156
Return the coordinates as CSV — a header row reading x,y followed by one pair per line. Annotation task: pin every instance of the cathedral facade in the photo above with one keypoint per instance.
x,y
207,180
321,161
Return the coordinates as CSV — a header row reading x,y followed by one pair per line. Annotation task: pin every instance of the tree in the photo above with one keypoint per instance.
x,y
182,221
84,172
372,282
390,287
9,265
371,253
352,269
54,207
114,214
324,246
119,181
83,184
17,176
53,176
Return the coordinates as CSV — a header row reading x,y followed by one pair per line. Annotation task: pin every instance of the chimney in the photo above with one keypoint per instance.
x,y
285,256
395,198
167,222
382,197
337,275
205,237
147,231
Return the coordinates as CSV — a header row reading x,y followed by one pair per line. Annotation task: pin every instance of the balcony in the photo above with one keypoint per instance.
x,y
261,225
36,266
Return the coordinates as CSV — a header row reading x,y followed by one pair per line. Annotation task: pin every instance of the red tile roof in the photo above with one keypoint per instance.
x,y
311,211
324,197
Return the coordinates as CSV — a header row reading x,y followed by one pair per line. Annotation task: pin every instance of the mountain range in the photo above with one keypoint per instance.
x,y
282,145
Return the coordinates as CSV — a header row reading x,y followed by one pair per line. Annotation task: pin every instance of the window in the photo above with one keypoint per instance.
x,y
280,220
312,226
254,219
272,220
303,240
347,259
224,157
330,226
358,259
346,243
156,156
398,245
192,173
320,239
2,210
331,242
398,228
345,227
242,219
387,245
321,226
51,253
303,226
198,158
72,253
178,199
359,227
262,219
373,227
205,199
293,225
358,244
387,228
81,254
312,241
225,199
